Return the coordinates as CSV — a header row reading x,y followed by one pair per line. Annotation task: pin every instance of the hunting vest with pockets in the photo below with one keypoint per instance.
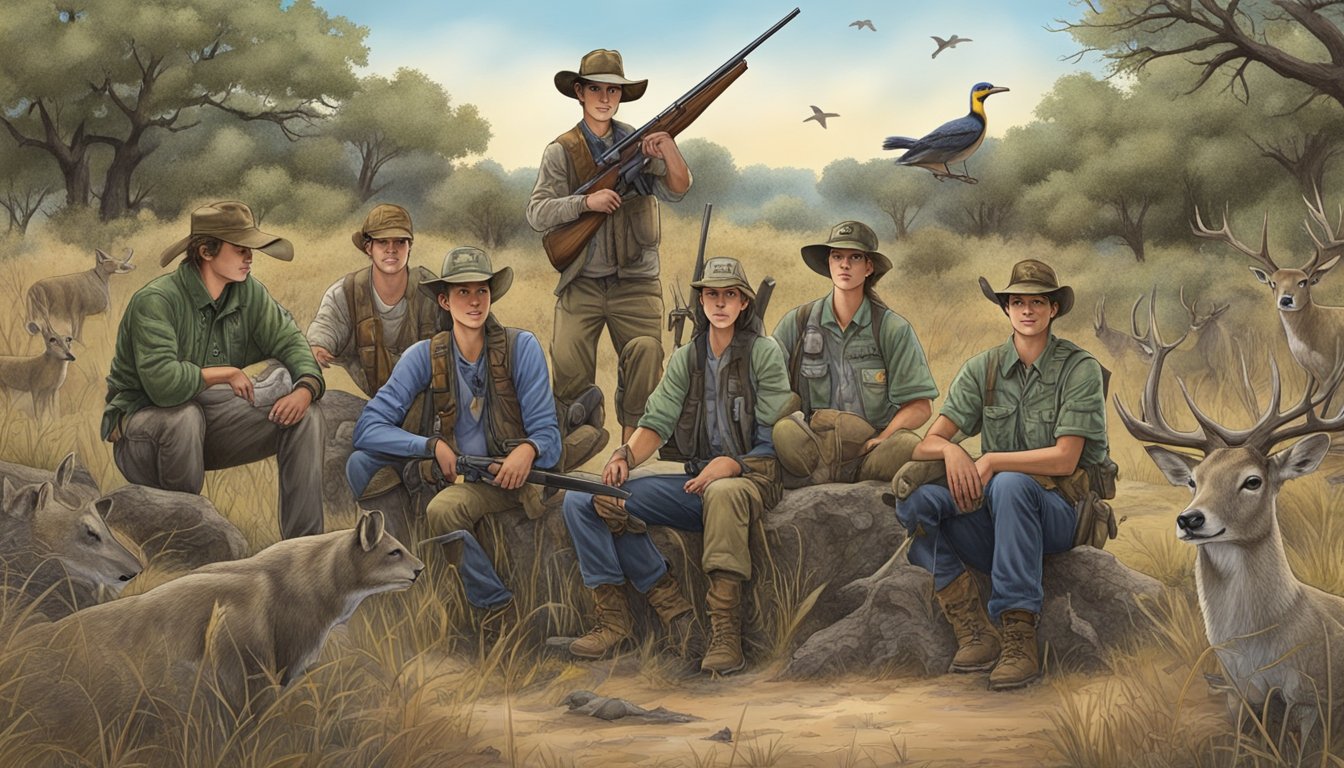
x,y
504,428
1088,488
375,358
630,230
808,358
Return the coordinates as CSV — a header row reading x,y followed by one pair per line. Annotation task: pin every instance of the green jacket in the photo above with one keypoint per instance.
x,y
1033,406
172,329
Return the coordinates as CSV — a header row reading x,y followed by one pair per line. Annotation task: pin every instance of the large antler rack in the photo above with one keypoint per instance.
x,y
1225,235
1332,236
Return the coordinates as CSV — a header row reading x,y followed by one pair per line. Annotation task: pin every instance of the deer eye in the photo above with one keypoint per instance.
x,y
1252,483
93,534
1301,283
394,553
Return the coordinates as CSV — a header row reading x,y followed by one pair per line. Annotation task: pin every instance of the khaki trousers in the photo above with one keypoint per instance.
x,y
799,454
632,312
171,448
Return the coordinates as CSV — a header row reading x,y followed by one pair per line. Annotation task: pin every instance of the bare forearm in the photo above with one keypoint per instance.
x,y
1054,461
218,374
911,415
642,444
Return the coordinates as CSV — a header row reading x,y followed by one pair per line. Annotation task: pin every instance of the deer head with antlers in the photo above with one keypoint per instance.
x,y
1311,328
1273,634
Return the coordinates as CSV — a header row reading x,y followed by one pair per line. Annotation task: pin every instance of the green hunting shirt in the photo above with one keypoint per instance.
x,y
172,329
857,377
769,380
1034,405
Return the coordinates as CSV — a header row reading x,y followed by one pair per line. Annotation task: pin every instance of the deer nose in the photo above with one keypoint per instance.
x,y
1190,521
1286,300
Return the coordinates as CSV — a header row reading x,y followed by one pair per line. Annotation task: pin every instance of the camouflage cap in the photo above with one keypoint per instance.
x,y
384,221
601,66
469,264
1032,277
232,222
847,234
725,272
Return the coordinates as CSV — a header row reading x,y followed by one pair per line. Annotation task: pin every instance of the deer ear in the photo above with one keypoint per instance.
x,y
1319,272
1177,467
1301,458
65,470
103,507
1259,274
26,501
124,268
100,256
33,328
370,529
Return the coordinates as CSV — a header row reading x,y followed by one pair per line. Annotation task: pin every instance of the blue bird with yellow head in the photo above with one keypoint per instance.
x,y
951,142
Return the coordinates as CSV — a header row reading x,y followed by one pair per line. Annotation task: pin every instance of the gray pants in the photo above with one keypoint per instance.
x,y
171,448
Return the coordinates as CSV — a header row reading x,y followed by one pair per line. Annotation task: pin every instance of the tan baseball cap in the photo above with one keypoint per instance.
x,y
384,221
232,222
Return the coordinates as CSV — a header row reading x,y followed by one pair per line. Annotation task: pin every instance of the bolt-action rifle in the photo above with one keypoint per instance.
x,y
618,167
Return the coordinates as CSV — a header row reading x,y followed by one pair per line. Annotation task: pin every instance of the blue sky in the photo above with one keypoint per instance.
x,y
502,55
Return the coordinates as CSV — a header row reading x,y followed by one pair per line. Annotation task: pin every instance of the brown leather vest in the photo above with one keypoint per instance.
x,y
375,358
504,428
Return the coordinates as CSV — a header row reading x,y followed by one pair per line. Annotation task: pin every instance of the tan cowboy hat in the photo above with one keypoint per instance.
x,y
470,265
847,234
725,272
1032,278
232,222
601,66
384,221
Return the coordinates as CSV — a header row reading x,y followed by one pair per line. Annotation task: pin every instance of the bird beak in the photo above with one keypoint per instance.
x,y
996,90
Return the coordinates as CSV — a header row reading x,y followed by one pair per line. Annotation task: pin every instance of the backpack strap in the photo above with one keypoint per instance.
x,y
991,377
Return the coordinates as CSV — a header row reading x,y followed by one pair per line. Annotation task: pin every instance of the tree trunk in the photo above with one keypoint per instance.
x,y
1130,225
1305,159
115,200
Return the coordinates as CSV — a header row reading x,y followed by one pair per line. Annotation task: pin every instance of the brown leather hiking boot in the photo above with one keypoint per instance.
x,y
725,621
677,615
613,624
1019,663
977,641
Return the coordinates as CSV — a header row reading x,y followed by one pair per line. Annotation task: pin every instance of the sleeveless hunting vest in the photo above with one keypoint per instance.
x,y
808,358
504,429
375,358
690,437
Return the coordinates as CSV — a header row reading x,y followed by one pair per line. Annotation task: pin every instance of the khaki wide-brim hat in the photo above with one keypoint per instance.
x,y
384,221
1031,277
468,264
725,272
601,66
847,234
232,222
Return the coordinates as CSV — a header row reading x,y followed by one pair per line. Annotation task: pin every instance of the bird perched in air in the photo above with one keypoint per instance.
x,y
950,42
820,116
861,23
951,142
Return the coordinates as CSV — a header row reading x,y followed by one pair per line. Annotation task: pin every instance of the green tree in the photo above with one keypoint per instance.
x,y
900,193
389,119
484,200
27,183
130,71
714,174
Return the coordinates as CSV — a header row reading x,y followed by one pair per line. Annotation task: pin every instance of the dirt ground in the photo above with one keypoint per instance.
x,y
945,721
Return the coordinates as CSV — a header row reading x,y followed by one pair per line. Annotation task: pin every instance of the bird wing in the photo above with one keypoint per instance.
x,y
858,24
940,41
869,24
945,140
816,111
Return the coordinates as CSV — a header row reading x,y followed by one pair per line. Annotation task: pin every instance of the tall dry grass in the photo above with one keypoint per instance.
x,y
400,684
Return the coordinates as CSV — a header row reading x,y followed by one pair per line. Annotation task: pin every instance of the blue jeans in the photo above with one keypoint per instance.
x,y
1007,536
481,582
607,559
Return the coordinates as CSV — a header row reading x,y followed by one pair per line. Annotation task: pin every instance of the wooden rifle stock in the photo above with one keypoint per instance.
x,y
564,243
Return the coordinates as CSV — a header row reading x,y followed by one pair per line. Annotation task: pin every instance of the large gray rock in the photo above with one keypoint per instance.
x,y
175,530
1091,605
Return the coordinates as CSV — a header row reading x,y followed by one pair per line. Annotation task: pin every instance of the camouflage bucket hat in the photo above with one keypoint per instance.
x,y
725,272
847,234
232,222
601,66
1033,278
470,265
384,221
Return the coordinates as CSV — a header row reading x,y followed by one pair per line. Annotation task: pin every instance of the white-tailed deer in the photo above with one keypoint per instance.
x,y
1273,634
40,375
1207,343
1311,328
1118,342
75,296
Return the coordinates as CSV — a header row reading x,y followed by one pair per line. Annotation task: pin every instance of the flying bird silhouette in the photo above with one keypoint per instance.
x,y
951,142
950,42
861,23
820,116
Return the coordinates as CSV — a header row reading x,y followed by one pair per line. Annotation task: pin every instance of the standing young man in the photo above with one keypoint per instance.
x,y
858,368
717,404
614,281
368,318
1037,401
178,402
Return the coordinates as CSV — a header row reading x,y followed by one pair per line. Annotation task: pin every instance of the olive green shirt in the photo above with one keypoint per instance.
x,y
769,382
172,329
856,371
1034,405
